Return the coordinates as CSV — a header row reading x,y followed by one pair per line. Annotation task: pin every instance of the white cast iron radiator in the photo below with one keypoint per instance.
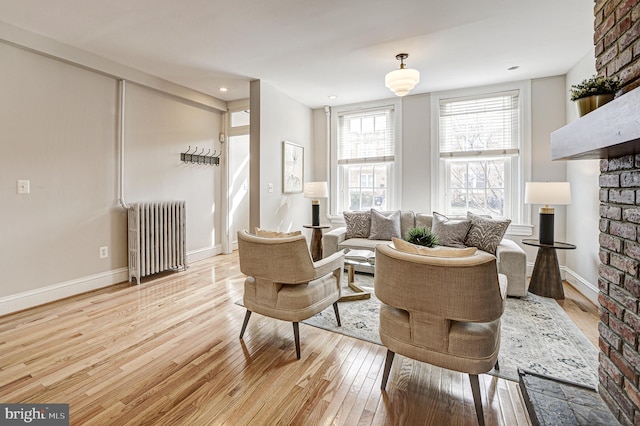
x,y
157,238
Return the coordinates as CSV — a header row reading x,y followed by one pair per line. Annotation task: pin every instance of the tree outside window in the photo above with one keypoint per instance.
x,y
478,141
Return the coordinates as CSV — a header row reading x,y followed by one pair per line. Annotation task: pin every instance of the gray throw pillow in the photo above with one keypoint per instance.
x,y
358,224
384,227
485,233
450,232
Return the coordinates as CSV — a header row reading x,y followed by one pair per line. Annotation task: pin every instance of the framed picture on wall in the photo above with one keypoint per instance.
x,y
292,167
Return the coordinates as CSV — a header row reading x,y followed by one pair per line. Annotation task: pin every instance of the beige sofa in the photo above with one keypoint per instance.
x,y
511,259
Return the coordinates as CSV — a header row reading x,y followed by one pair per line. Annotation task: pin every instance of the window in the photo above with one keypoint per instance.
x,y
365,157
479,144
240,118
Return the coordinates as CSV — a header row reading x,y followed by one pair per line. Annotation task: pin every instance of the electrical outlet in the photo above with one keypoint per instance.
x,y
104,252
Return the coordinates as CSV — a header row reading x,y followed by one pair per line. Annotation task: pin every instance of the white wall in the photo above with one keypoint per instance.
x,y
278,118
583,214
319,165
59,130
416,153
547,114
158,127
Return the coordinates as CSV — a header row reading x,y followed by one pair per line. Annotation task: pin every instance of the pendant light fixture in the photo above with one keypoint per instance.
x,y
403,80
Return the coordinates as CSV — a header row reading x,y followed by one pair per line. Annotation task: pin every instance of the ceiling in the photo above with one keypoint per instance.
x,y
313,49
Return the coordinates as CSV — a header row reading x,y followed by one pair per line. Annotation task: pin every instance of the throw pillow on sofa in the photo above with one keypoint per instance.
x,y
450,232
486,233
384,227
358,224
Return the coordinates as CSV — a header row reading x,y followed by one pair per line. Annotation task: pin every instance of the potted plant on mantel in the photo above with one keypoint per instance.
x,y
593,92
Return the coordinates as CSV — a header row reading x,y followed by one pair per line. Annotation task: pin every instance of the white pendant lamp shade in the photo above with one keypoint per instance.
x,y
403,80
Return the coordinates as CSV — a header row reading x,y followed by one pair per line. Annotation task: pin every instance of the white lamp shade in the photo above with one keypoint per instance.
x,y
316,190
402,81
547,193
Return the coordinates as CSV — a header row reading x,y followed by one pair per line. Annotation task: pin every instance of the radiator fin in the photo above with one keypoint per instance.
x,y
156,238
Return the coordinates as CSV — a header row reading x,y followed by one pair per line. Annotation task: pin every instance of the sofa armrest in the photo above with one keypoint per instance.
x,y
331,240
512,262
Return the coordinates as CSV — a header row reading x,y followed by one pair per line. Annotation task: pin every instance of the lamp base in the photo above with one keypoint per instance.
x,y
545,231
315,211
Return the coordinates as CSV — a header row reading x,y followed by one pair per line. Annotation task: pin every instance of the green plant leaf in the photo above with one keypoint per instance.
x,y
421,236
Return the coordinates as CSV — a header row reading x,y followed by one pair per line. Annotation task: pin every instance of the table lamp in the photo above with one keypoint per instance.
x,y
315,190
554,193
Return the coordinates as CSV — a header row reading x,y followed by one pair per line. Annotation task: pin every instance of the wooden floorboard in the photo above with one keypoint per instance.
x,y
167,352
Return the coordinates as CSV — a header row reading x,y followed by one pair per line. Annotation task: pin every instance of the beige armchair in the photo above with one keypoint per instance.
x,y
442,311
284,283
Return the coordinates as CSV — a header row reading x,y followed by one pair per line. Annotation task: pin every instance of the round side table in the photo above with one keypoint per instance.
x,y
545,279
316,240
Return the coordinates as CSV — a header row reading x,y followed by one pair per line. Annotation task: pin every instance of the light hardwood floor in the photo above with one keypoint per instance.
x,y
167,352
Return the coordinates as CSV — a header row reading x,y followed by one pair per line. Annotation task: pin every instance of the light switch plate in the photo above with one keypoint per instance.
x,y
23,186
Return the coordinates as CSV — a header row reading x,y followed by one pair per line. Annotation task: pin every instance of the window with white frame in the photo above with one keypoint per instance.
x,y
479,154
365,154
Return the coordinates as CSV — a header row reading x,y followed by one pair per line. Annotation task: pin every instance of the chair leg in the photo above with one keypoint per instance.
x,y
497,366
477,400
387,369
296,337
335,309
246,321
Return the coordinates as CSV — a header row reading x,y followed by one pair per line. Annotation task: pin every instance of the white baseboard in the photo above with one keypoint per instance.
x,y
205,253
587,289
40,296
583,286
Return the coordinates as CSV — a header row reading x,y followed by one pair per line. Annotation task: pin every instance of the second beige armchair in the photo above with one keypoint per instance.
x,y
284,283
442,311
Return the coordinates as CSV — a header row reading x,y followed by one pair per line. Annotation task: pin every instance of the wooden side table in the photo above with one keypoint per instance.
x,y
316,240
545,279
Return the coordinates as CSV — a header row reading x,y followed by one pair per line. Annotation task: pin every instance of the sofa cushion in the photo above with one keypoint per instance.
x,y
359,244
423,220
486,233
384,227
358,224
450,232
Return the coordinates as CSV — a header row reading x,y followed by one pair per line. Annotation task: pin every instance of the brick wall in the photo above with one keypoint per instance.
x,y
619,285
617,40
617,48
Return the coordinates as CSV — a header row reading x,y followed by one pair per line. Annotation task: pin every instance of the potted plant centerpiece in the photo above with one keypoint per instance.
x,y
593,92
422,237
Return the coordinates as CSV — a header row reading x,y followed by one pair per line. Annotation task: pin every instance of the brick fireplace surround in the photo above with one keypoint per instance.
x,y
612,133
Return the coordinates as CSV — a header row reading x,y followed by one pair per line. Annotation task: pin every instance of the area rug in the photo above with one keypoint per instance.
x,y
536,335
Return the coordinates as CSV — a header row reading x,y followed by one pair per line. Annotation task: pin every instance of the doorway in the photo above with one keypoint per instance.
x,y
238,183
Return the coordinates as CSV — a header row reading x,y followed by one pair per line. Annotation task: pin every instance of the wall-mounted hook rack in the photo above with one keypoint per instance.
x,y
200,158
